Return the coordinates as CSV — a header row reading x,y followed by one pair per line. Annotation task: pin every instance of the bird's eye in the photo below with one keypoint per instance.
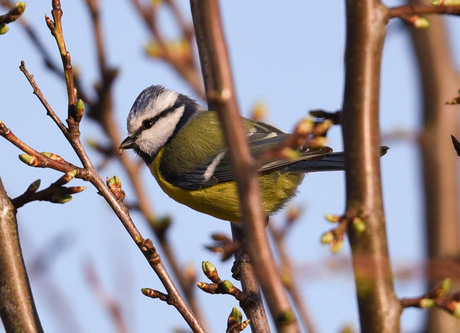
x,y
146,124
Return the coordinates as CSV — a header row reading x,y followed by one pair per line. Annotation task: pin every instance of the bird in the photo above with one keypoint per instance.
x,y
183,145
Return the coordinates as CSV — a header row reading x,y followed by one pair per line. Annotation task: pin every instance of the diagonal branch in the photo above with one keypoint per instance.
x,y
75,112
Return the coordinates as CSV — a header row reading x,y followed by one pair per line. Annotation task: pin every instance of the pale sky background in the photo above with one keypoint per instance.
x,y
288,55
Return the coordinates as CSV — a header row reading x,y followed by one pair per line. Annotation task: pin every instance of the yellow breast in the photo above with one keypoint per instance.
x,y
222,201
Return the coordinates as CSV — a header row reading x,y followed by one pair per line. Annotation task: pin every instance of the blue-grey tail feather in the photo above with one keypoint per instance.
x,y
331,162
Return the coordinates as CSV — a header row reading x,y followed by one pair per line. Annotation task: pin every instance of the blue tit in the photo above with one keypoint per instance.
x,y
184,148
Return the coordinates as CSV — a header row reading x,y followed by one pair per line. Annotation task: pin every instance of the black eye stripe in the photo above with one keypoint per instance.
x,y
148,123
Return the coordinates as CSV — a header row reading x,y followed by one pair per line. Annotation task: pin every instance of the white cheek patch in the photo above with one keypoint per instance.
x,y
151,140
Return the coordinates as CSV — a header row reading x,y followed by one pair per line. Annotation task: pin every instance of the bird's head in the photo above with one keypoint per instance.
x,y
155,117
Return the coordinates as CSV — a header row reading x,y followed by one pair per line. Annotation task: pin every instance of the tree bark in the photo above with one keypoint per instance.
x,y
17,307
379,309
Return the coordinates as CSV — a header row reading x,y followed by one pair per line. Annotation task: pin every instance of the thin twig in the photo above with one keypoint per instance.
x,y
41,160
42,99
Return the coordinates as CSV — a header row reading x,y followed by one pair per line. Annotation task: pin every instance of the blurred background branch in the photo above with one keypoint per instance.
x,y
439,81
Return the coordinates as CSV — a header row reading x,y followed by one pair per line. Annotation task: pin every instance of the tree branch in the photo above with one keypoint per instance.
x,y
72,133
17,307
221,97
379,309
439,81
420,9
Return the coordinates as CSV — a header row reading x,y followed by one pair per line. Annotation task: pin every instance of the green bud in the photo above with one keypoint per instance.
x,y
444,286
332,218
421,23
201,285
327,238
79,109
208,268
60,198
358,225
19,7
53,156
3,29
150,292
227,286
426,303
114,181
235,316
28,159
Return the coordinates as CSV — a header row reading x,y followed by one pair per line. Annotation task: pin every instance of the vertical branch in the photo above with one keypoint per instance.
x,y
221,97
17,307
378,307
439,81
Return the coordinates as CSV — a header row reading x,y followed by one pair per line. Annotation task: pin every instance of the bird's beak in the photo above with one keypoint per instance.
x,y
127,143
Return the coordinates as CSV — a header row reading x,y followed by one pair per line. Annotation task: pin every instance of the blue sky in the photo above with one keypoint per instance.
x,y
288,56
